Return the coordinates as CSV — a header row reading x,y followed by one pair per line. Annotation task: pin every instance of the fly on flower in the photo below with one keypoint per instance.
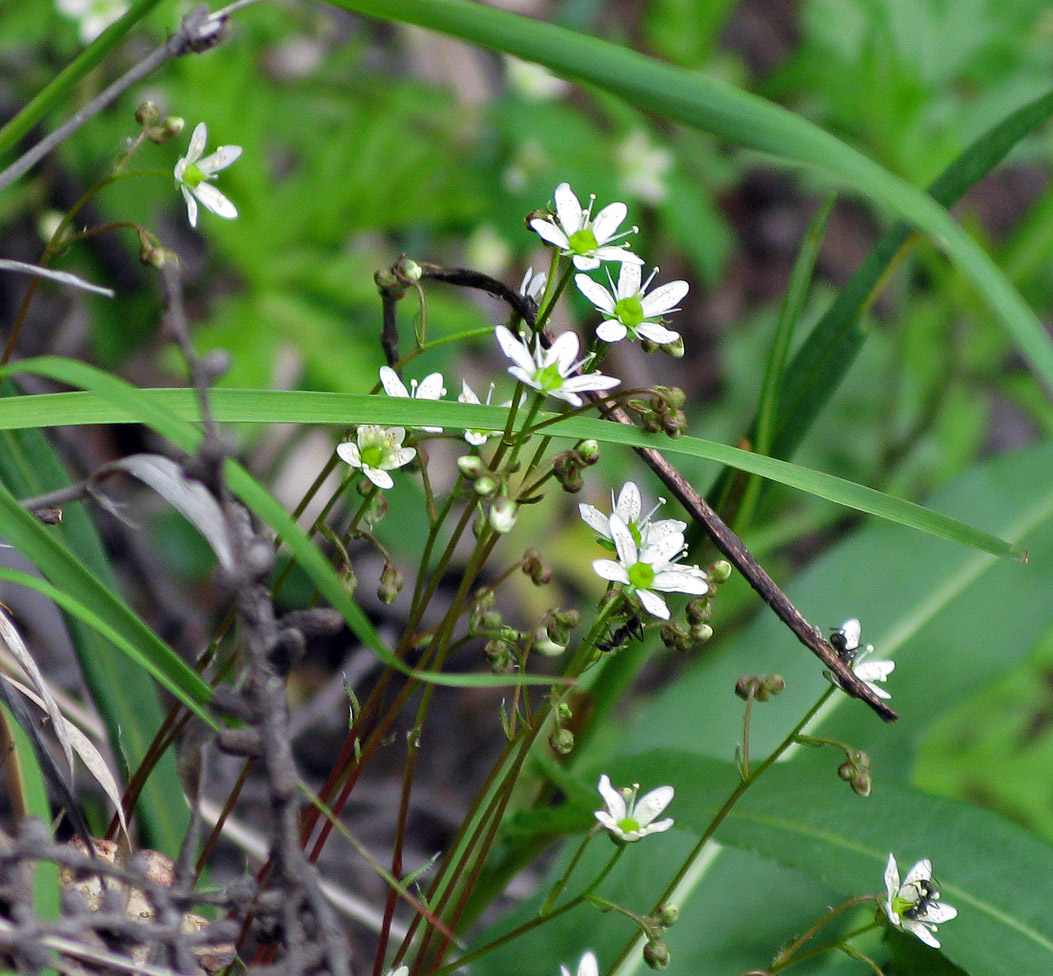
x,y
845,640
915,905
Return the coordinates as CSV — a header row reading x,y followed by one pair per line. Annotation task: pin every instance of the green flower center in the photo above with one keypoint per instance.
x,y
193,175
583,241
901,904
549,378
372,456
628,825
629,311
641,576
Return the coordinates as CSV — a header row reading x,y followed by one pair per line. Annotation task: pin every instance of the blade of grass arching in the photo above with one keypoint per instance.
x,y
168,408
793,305
33,798
737,116
63,83
830,349
123,693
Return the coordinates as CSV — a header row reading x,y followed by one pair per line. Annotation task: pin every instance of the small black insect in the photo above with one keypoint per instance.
x,y
920,908
633,627
845,640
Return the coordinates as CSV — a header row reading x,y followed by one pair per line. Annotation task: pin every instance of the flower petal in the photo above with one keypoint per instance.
x,y
613,252
348,451
594,519
516,351
680,581
612,799
650,805
658,334
629,280
607,221
892,877
611,571
568,209
211,198
220,159
623,539
563,351
922,871
550,233
596,293
430,388
653,604
630,503
379,477
611,331
197,143
393,385
588,965
663,299
191,206
921,931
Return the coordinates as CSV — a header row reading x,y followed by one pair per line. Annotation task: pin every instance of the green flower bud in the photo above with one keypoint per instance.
x,y
589,451
667,915
720,571
674,349
656,954
147,114
562,742
471,466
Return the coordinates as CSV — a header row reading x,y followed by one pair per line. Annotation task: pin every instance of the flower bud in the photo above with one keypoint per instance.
x,y
699,611
720,571
562,742
544,644
656,954
172,125
503,514
862,784
484,486
409,269
675,348
589,451
667,915
500,655
392,580
471,466
147,114
760,686
700,633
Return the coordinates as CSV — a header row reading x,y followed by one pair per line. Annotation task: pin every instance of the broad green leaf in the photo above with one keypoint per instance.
x,y
273,406
731,114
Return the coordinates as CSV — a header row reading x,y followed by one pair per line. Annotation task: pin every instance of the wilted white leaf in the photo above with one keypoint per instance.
x,y
63,277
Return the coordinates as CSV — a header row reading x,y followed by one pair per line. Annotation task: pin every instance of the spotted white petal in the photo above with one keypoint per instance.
x,y
658,334
650,805
392,383
550,233
612,798
220,159
197,143
610,570
653,604
629,503
569,211
611,331
594,519
515,350
851,630
679,580
191,207
596,293
607,221
213,200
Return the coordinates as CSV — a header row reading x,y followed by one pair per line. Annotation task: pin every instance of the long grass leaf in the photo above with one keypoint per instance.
x,y
281,406
739,117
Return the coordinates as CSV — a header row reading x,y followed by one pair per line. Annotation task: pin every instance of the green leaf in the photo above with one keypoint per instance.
x,y
293,406
729,113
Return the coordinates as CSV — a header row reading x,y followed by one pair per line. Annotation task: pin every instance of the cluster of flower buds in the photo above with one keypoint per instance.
x,y
155,128
567,466
662,412
539,573
855,771
759,687
392,579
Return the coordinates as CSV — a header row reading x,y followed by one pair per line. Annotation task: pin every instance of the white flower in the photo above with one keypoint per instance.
x,y
192,174
629,310
650,565
845,640
377,450
628,818
477,438
533,284
587,967
429,388
642,167
94,15
915,905
628,507
551,370
577,234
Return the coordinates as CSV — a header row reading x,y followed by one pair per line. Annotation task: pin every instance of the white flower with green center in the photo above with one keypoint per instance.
x,y
648,567
628,507
552,370
915,904
94,15
587,241
192,174
587,967
429,388
629,309
377,450
533,284
628,818
845,640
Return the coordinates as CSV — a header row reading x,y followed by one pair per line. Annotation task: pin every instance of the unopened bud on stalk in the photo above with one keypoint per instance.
x,y
472,466
409,269
589,451
562,742
392,580
503,514
656,954
147,114
667,915
674,349
719,571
